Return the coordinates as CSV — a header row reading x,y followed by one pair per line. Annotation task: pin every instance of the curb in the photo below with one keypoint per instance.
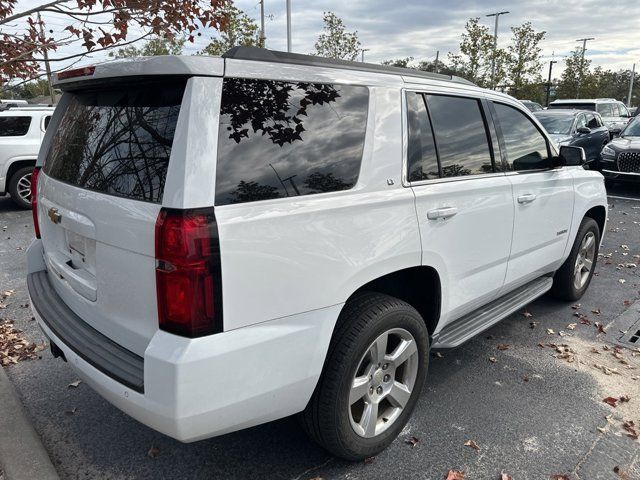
x,y
22,455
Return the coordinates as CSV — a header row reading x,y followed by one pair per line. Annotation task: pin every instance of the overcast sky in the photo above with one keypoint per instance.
x,y
419,28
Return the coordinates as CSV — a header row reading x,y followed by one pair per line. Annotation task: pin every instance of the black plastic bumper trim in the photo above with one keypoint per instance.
x,y
103,353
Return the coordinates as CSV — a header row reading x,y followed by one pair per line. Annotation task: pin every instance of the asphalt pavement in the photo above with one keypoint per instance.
x,y
534,411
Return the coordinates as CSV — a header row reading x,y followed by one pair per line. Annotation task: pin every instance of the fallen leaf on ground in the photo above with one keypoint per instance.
x,y
550,331
14,347
493,359
630,427
576,306
606,370
455,475
413,441
74,384
572,326
595,350
621,473
602,429
596,311
369,460
503,346
505,476
439,355
613,401
600,327
533,324
558,476
472,444
541,345
153,452
585,321
624,398
626,303
526,314
622,280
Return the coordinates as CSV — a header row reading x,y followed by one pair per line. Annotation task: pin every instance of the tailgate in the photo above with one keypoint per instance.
x,y
100,193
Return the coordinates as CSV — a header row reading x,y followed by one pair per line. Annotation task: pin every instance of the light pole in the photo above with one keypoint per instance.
x,y
633,74
549,81
584,48
495,46
362,50
289,26
263,37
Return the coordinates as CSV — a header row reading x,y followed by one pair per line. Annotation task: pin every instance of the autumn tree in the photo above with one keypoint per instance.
x,y
523,60
154,46
94,26
239,30
335,41
476,51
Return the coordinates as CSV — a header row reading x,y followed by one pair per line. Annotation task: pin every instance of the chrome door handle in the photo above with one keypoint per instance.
x,y
526,198
444,213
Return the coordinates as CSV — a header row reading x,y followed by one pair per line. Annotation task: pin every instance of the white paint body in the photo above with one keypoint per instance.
x,y
23,148
290,264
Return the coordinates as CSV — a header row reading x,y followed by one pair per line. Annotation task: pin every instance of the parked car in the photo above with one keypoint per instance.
x,y
578,128
221,242
6,103
532,106
21,133
621,158
614,113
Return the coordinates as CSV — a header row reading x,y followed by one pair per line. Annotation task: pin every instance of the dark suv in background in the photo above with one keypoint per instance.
x,y
613,112
621,158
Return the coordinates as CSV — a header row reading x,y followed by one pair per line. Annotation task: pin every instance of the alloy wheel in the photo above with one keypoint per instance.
x,y
584,260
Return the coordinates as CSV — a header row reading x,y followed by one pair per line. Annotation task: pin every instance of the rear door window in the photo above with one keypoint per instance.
x,y
461,135
117,141
526,147
281,139
14,126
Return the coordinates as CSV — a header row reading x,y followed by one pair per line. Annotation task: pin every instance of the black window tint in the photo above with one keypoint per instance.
x,y
279,139
422,163
117,141
605,109
461,135
14,126
47,119
526,147
592,121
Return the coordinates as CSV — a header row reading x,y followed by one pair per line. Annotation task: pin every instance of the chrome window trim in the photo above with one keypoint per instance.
x,y
616,172
496,156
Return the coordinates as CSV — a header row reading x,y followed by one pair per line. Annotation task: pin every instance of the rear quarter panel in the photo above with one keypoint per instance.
x,y
589,192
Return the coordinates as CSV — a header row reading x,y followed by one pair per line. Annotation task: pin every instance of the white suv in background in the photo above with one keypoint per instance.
x,y
613,112
222,242
21,133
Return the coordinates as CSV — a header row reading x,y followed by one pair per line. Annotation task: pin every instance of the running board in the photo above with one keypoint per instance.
x,y
467,327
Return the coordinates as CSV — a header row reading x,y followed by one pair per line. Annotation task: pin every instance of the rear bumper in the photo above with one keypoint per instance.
x,y
199,388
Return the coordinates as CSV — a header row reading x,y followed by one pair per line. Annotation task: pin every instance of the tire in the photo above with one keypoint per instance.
x,y
330,418
21,180
566,285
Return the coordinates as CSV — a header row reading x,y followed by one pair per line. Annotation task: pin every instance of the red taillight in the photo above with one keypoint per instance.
x,y
76,72
188,273
34,199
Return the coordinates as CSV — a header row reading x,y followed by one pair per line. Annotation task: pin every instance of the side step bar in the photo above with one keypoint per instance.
x,y
467,327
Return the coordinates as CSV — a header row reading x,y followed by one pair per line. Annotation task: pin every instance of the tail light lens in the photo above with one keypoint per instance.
x,y
34,200
188,273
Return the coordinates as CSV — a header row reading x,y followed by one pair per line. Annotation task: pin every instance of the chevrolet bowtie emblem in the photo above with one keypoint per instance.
x,y
54,215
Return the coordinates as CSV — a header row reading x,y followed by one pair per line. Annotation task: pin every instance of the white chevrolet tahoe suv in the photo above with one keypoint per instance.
x,y
21,133
222,242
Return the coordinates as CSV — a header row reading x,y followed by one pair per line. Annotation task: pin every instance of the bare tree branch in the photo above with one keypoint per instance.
x,y
31,11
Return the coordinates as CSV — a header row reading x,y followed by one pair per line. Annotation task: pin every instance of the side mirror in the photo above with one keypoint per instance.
x,y
570,157
583,130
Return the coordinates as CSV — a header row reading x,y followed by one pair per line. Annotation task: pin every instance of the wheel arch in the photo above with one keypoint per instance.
x,y
17,165
419,286
599,214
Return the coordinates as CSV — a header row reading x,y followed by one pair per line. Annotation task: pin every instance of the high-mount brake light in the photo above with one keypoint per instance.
x,y
188,272
34,200
76,72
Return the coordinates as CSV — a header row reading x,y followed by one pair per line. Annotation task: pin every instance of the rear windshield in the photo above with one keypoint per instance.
x,y
279,139
574,106
556,124
117,140
14,126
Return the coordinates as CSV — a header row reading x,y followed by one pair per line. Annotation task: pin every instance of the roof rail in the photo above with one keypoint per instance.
x,y
274,56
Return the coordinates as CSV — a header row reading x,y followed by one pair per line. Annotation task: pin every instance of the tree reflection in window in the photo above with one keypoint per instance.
x,y
280,139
